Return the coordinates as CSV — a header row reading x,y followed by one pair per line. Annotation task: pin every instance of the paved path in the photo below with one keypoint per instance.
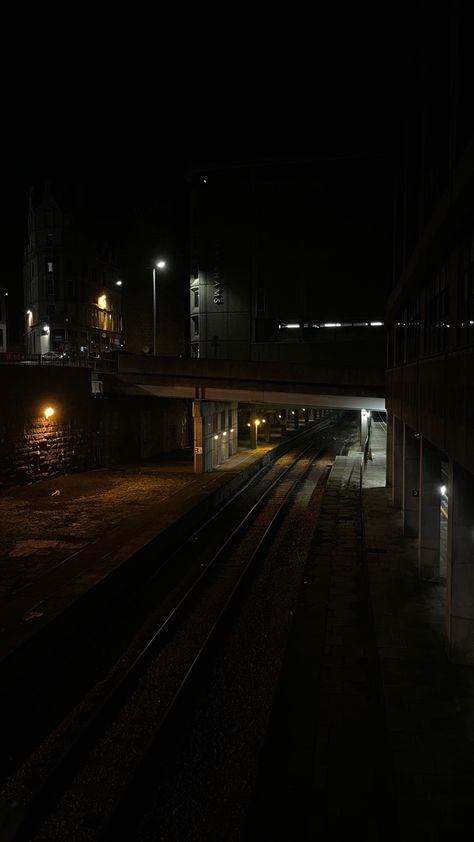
x,y
373,732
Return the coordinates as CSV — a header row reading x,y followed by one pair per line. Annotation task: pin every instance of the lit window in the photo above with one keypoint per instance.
x,y
49,266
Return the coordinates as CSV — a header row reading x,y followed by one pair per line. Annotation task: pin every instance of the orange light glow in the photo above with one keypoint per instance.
x,y
49,411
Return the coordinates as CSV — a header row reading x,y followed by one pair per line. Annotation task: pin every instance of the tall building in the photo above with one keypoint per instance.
x,y
430,314
72,284
288,257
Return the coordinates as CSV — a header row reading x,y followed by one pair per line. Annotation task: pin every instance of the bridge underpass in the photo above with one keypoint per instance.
x,y
218,388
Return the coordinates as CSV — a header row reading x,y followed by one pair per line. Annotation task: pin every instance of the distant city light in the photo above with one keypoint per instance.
x,y
443,490
118,283
291,326
332,324
376,324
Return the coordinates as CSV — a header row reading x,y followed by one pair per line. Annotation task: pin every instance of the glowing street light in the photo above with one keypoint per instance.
x,y
160,265
49,411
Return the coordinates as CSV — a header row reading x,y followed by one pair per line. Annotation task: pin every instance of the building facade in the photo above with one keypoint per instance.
x,y
273,244
3,321
71,284
430,314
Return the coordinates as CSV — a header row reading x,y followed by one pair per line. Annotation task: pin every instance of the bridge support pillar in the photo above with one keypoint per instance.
x,y
215,433
429,512
411,481
283,422
389,453
364,427
460,569
296,419
253,428
397,461
268,426
199,460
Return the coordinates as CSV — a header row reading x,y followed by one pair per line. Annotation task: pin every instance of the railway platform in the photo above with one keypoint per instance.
x,y
373,728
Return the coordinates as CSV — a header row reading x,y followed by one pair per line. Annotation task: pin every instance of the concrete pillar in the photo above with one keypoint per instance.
x,y
397,462
199,462
233,432
363,427
306,417
429,511
268,426
411,481
253,430
389,456
296,419
460,572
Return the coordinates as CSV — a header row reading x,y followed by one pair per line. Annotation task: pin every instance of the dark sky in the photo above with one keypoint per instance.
x,y
128,129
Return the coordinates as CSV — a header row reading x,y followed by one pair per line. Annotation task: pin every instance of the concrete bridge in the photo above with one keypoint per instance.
x,y
217,387
265,383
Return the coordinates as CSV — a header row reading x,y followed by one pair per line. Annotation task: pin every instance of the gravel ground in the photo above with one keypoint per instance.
x,y
40,527
205,794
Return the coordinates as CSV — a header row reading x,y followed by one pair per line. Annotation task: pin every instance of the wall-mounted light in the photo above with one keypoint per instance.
x,y
216,437
49,411
102,301
443,490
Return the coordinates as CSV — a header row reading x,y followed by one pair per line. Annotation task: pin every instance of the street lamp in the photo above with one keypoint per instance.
x,y
160,265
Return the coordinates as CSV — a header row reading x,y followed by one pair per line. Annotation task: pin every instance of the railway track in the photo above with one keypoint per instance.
x,y
85,779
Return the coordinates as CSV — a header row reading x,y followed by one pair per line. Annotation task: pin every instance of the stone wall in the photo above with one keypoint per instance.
x,y
85,431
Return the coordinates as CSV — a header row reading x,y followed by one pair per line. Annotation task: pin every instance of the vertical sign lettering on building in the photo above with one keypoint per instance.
x,y
217,276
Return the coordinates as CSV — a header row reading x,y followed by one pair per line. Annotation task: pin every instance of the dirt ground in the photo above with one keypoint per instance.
x,y
44,523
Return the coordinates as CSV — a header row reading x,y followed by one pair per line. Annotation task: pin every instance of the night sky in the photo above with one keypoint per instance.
x,y
129,131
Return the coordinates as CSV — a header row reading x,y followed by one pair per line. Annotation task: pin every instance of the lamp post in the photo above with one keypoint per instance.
x,y
160,265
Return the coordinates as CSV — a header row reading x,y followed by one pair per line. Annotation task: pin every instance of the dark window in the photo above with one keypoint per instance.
x,y
51,312
466,294
195,272
435,314
400,339
50,286
413,331
195,321
196,297
49,239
